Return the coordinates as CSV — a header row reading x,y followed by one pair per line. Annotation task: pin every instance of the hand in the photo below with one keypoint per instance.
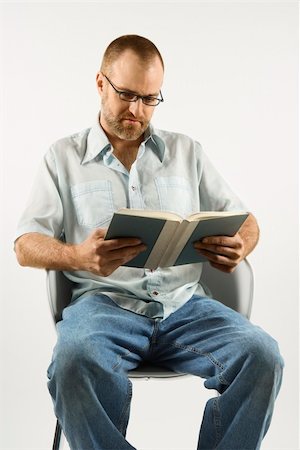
x,y
103,257
223,252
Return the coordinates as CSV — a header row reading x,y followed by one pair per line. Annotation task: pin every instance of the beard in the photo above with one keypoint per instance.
x,y
118,126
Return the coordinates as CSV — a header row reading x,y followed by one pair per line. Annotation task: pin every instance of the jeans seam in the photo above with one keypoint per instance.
x,y
217,420
120,359
208,355
125,411
153,338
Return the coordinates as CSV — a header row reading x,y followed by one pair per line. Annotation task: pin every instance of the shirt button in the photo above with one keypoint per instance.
x,y
133,188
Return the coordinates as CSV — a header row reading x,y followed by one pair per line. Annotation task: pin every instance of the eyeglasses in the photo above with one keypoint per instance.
x,y
148,100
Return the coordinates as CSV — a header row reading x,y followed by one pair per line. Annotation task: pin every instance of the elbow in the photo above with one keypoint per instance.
x,y
21,260
255,227
253,230
20,253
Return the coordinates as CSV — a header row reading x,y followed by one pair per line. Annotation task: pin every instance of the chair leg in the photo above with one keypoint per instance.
x,y
57,437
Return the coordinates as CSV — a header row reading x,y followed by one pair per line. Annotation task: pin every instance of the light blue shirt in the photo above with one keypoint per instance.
x,y
81,183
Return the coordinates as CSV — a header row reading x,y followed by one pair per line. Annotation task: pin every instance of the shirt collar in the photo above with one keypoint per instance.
x,y
98,143
153,138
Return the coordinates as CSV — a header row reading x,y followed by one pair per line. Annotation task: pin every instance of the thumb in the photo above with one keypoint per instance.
x,y
99,233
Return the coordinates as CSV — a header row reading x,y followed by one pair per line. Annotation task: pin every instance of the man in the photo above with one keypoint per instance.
x,y
120,316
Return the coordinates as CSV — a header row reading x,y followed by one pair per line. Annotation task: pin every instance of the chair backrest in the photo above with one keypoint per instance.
x,y
234,290
59,289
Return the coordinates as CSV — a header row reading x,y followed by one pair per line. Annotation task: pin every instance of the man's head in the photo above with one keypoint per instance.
x,y
130,64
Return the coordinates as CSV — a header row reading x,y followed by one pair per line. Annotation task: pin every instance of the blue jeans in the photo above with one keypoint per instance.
x,y
99,342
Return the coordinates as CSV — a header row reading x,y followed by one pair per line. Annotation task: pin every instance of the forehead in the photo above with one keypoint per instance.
x,y
131,72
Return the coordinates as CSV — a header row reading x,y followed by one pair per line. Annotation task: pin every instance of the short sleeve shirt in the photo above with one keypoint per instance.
x,y
80,184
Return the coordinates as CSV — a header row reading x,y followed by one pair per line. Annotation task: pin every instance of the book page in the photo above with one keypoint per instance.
x,y
161,245
150,213
177,241
203,215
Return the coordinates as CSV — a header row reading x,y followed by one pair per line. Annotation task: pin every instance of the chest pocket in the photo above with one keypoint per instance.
x,y
93,202
175,195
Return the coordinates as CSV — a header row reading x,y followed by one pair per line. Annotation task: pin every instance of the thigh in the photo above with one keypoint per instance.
x,y
206,338
95,328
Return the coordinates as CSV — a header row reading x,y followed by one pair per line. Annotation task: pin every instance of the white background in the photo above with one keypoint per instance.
x,y
231,83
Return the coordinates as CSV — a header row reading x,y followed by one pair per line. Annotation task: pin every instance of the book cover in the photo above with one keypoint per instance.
x,y
221,226
148,230
168,237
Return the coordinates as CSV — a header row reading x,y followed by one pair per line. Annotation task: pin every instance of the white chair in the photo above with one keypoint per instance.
x,y
234,290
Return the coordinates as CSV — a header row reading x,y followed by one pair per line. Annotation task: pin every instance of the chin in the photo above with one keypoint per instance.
x,y
130,136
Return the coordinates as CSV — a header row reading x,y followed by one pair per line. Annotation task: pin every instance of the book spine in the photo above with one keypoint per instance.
x,y
161,245
178,241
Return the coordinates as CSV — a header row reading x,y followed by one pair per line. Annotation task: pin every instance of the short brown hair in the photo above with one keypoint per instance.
x,y
141,46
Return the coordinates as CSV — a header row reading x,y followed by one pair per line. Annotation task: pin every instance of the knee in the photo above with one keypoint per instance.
x,y
74,361
266,362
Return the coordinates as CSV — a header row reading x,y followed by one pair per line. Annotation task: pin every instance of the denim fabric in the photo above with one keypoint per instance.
x,y
99,342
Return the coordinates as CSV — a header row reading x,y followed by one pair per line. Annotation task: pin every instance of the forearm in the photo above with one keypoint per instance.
x,y
45,252
249,232
93,255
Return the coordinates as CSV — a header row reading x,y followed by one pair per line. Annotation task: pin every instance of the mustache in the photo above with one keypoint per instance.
x,y
137,119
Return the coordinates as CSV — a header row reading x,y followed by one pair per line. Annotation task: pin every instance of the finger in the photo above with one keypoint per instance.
x,y
220,259
225,269
125,254
110,268
229,252
116,262
224,241
99,233
112,244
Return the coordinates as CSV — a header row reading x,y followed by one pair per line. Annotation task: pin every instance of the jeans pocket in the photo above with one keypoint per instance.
x,y
175,195
93,202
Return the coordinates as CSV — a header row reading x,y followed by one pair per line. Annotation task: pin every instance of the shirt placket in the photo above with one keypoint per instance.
x,y
136,200
134,190
154,285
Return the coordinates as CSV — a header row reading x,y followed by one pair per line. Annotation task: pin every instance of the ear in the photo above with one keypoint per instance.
x,y
99,82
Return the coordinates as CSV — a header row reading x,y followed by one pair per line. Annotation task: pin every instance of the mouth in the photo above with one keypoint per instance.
x,y
130,120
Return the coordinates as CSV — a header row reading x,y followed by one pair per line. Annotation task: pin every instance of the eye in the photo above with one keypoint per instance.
x,y
149,100
128,96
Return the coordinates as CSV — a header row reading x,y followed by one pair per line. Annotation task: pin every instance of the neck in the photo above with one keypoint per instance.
x,y
124,146
127,158
125,151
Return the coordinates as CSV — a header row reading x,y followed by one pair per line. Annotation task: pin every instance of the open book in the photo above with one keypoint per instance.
x,y
169,238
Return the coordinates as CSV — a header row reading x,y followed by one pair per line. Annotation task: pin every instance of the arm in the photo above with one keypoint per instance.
x,y
224,252
93,255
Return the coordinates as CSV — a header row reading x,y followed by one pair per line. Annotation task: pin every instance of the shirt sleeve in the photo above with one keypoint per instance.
x,y
215,193
44,211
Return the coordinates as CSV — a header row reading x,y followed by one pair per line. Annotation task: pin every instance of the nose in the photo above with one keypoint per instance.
x,y
135,107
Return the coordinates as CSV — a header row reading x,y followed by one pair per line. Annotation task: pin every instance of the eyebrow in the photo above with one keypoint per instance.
x,y
136,93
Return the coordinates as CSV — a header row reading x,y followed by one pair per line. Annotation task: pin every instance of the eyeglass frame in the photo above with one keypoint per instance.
x,y
136,96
